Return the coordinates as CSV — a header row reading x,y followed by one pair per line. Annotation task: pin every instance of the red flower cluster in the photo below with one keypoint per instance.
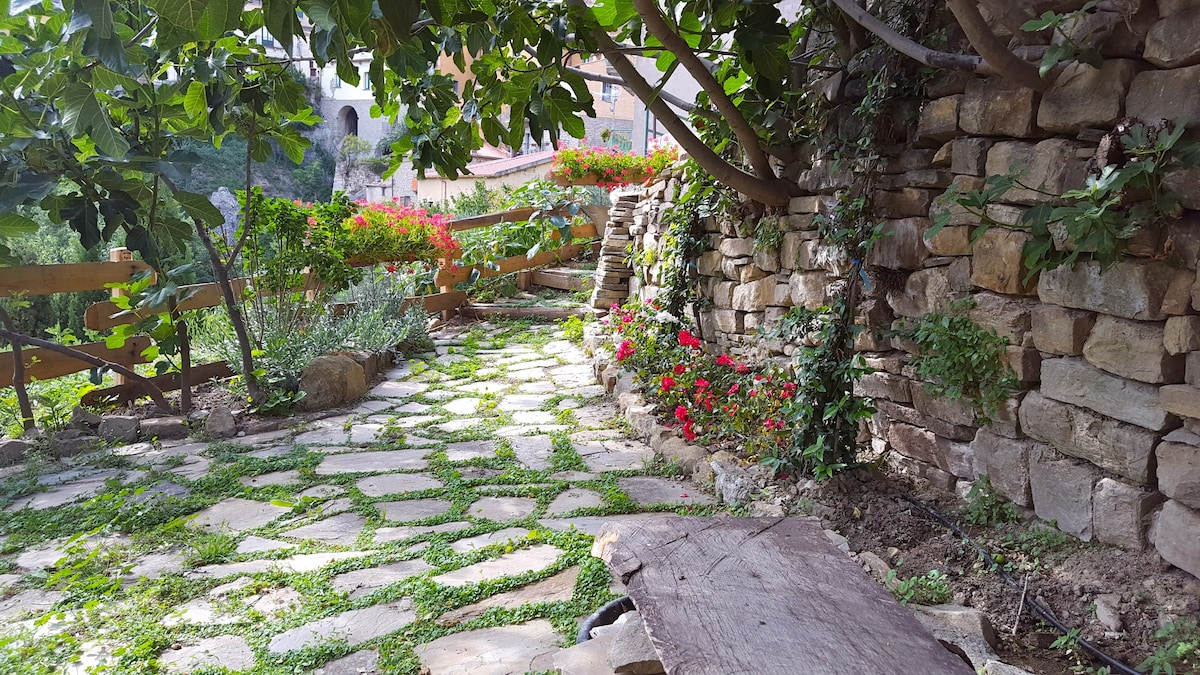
x,y
625,350
686,339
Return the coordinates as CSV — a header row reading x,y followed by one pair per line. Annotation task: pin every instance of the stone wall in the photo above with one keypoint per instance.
x,y
1104,438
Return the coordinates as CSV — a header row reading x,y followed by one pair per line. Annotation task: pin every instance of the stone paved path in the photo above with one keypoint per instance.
x,y
444,523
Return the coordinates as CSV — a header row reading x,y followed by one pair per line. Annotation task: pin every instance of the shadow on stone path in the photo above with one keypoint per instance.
x,y
444,524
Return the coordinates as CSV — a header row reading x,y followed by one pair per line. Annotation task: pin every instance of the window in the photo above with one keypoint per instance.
x,y
608,93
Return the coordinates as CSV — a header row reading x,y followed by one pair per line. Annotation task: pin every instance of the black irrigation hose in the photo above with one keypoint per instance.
x,y
1033,605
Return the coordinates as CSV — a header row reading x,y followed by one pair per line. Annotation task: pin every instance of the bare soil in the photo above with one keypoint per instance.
x,y
1065,575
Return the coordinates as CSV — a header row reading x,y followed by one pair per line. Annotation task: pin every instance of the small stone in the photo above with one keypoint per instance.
x,y
631,650
498,537
119,428
341,529
360,583
164,428
237,515
355,627
220,423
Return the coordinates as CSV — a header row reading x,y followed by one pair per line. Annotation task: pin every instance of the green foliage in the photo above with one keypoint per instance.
x,y
1098,220
960,360
1179,650
767,233
557,210
572,328
1064,47
986,507
927,589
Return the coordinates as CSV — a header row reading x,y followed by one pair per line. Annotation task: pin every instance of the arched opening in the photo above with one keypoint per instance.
x,y
349,121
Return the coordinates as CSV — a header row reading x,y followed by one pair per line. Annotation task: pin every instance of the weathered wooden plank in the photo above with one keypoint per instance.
x,y
99,316
486,311
510,216
566,282
765,596
447,277
68,278
42,364
123,393
440,302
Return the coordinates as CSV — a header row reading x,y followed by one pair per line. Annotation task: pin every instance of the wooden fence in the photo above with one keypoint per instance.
x,y
78,277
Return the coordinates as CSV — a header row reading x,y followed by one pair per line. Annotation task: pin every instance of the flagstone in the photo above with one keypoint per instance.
x,y
418,441
533,451
570,404
531,559
334,506
231,652
321,436
341,529
384,460
397,483
390,534
481,540
274,451
412,408
558,588
413,509
415,421
525,430
537,387
32,600
365,433
304,562
355,627
366,581
574,476
66,492
255,544
322,491
524,365
525,489
484,387
440,395
398,389
589,391
273,478
502,508
155,565
237,515
575,498
458,452
654,490
618,461
263,437
490,651
367,407
534,417
364,662
589,524
459,425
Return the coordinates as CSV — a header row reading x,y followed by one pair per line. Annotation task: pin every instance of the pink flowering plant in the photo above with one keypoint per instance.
x,y
714,400
610,166
389,231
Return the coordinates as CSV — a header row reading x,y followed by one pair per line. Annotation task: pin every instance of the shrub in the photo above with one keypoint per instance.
x,y
379,232
611,167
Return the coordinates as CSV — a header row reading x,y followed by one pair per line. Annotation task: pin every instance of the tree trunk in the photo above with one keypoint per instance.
x,y
232,307
18,380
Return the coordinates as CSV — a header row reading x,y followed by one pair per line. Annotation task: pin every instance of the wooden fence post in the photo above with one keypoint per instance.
x,y
120,254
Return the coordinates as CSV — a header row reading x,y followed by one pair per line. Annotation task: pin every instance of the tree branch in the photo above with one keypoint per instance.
x,y
911,48
769,191
152,390
1007,64
666,96
746,135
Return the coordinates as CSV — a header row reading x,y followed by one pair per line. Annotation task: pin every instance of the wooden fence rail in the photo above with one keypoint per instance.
x,y
80,277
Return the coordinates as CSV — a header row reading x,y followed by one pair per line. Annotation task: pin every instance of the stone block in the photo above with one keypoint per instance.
x,y
754,296
1122,448
902,413
709,263
119,428
1132,349
1084,96
752,321
1121,513
1142,290
1171,42
906,202
1051,165
1008,316
749,273
903,245
1026,364
969,156
1005,461
1191,371
782,295
166,428
1185,184
767,260
882,385
954,240
959,412
729,320
1062,492
1181,399
722,296
1174,536
927,290
736,247
952,457
995,107
939,120
1073,381
805,204
1167,94
809,289
998,264
1057,330
1182,334
1179,467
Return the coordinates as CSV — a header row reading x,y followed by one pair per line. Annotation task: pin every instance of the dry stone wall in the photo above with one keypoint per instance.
x,y
1104,438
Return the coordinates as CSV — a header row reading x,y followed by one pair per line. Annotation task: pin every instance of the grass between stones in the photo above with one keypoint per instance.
x,y
102,604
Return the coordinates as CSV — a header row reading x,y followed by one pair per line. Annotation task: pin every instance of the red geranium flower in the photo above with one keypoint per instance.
x,y
681,414
679,369
625,350
686,339
667,383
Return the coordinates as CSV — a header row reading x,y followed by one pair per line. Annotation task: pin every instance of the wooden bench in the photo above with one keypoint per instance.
x,y
763,596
